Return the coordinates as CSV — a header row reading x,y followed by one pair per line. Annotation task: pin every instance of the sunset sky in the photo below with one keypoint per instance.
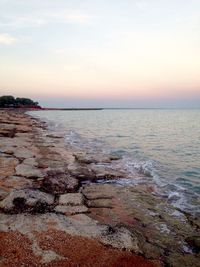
x,y
113,53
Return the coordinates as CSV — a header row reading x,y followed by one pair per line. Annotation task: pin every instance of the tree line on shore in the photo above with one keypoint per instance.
x,y
8,101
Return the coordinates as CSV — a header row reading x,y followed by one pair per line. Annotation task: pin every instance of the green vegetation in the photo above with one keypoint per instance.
x,y
8,101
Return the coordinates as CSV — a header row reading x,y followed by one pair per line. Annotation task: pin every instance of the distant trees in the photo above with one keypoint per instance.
x,y
25,102
8,101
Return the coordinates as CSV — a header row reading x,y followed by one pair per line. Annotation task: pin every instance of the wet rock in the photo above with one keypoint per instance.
x,y
27,199
121,238
186,260
106,173
158,231
150,251
82,158
85,158
28,171
58,182
54,136
71,210
100,203
73,199
81,172
114,157
194,242
94,172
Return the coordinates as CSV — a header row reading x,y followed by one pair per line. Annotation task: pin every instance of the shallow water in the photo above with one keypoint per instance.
x,y
163,144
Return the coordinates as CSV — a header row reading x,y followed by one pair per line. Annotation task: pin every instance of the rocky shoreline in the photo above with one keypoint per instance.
x,y
50,217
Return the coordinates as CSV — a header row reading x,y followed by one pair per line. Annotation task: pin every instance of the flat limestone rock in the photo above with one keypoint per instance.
x,y
54,136
23,129
114,157
28,171
123,239
9,150
81,172
48,163
24,153
104,172
8,131
100,203
16,142
30,161
7,166
86,158
73,199
78,225
15,182
96,191
71,210
3,193
21,199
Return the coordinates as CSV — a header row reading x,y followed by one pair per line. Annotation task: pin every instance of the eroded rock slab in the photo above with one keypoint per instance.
x,y
73,199
123,239
149,218
29,171
24,153
22,200
71,210
7,130
127,218
78,225
15,182
7,166
57,182
57,248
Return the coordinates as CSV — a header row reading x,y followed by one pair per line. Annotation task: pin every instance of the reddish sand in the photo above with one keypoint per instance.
x,y
15,250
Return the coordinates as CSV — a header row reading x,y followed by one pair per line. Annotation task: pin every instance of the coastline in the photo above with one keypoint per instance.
x,y
45,205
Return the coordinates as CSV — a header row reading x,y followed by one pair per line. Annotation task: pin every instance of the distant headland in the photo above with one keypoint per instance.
x,y
8,101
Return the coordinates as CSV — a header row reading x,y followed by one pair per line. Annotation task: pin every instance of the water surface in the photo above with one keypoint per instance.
x,y
164,144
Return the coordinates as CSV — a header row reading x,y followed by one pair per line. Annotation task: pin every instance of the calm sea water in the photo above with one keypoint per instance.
x,y
163,144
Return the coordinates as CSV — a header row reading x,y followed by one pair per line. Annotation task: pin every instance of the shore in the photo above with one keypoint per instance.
x,y
50,217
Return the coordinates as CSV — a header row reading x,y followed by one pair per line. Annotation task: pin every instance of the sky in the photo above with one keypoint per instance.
x,y
108,53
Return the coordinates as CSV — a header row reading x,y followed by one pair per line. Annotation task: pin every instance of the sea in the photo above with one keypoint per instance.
x,y
162,144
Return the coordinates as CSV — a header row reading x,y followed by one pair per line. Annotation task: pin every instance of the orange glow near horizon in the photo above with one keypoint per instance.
x,y
124,52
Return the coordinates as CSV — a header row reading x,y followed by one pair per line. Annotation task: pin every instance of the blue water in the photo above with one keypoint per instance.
x,y
164,144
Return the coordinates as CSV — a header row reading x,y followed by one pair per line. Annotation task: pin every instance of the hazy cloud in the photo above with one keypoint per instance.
x,y
141,4
7,39
77,18
43,18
